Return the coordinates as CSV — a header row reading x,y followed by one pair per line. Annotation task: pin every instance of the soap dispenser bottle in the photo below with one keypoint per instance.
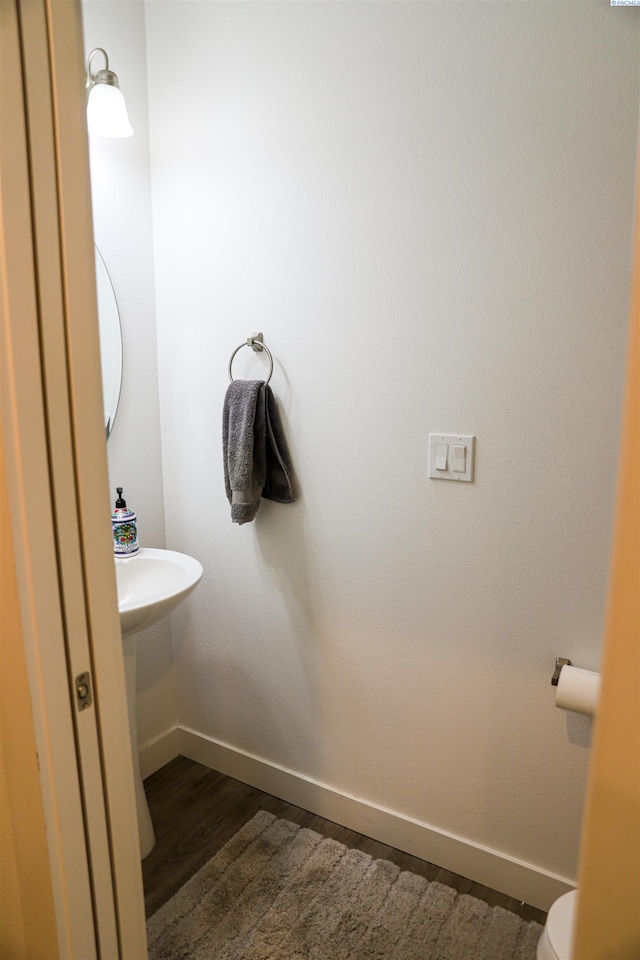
x,y
125,529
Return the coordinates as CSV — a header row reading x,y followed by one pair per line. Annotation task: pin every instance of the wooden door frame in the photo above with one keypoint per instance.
x,y
608,913
57,476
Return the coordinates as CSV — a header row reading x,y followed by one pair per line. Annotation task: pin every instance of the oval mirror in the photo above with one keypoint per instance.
x,y
110,342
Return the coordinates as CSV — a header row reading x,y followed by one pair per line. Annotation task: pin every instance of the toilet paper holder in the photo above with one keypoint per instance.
x,y
560,663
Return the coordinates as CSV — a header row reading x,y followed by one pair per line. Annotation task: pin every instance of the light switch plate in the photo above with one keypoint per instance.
x,y
452,439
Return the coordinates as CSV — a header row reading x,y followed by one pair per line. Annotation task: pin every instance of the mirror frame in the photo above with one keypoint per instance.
x,y
111,348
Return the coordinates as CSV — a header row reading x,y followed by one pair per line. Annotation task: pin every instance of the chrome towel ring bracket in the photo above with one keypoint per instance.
x,y
256,343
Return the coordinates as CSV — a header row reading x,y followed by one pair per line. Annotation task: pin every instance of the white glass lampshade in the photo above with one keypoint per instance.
x,y
107,112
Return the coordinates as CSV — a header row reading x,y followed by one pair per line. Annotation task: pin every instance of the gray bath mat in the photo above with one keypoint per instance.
x,y
277,891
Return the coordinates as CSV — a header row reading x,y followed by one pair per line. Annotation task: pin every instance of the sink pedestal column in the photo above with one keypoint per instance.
x,y
149,584
145,826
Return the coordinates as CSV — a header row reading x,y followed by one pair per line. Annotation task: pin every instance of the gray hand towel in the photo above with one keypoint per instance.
x,y
255,452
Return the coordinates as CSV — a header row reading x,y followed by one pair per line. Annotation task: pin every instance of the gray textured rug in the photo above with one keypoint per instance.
x,y
277,891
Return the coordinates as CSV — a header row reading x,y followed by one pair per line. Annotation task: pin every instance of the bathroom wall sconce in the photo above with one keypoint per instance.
x,y
106,108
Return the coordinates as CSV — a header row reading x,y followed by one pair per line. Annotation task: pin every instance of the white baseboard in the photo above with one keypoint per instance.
x,y
516,878
159,751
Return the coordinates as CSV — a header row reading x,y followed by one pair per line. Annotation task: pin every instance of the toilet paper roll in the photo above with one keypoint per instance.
x,y
578,690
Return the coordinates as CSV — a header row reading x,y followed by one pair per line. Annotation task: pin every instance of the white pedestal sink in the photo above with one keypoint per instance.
x,y
150,585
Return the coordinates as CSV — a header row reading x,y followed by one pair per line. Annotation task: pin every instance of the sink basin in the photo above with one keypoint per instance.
x,y
151,584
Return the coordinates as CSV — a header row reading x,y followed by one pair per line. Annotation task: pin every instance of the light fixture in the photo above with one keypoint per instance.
x,y
106,109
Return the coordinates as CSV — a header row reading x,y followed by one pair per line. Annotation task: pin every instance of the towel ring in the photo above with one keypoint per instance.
x,y
255,342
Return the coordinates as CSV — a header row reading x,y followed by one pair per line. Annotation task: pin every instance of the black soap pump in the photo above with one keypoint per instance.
x,y
125,529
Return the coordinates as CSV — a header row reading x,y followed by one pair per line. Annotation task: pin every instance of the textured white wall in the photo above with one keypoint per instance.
x,y
426,207
121,195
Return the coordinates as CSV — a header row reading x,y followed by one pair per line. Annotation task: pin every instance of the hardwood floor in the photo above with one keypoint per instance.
x,y
195,811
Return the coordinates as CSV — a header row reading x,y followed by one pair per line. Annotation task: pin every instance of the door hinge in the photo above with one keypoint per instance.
x,y
83,690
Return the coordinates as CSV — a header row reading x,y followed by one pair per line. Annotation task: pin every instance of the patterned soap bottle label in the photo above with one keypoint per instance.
x,y
125,534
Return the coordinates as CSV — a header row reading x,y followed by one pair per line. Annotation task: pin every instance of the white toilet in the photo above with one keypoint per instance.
x,y
555,942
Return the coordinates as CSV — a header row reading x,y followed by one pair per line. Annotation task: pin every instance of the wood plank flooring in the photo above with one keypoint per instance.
x,y
195,811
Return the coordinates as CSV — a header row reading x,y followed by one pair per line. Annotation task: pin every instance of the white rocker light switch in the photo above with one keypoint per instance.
x,y
458,458
442,450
